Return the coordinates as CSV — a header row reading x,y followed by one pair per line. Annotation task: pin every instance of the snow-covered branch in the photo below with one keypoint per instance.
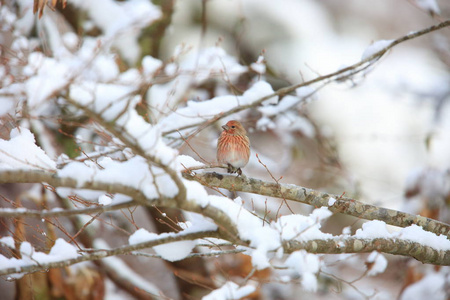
x,y
335,203
90,255
419,251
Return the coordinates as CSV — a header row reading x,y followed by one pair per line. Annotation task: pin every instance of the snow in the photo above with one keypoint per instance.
x,y
376,263
263,239
104,200
259,66
70,40
284,104
50,77
184,162
259,90
8,241
375,47
108,99
175,251
430,287
7,17
197,112
293,122
331,201
133,172
212,61
304,91
60,251
307,266
373,229
21,152
378,229
141,236
264,123
230,291
417,234
428,6
120,22
197,223
196,192
301,227
150,65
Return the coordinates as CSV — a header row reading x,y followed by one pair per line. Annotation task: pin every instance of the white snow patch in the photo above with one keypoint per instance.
x,y
196,192
104,200
197,112
176,250
21,152
259,66
150,65
431,287
378,263
133,172
229,291
301,227
141,236
8,241
375,47
428,6
307,265
331,201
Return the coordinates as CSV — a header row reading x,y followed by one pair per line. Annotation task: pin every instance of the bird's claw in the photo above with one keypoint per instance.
x,y
232,170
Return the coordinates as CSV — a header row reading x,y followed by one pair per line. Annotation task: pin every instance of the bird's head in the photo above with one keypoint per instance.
x,y
234,127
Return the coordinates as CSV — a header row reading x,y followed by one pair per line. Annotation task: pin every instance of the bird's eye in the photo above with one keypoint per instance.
x,y
233,126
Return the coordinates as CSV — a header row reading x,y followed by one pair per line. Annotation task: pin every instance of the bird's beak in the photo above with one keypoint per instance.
x,y
225,127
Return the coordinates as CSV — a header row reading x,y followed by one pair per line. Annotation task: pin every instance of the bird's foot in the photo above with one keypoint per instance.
x,y
232,170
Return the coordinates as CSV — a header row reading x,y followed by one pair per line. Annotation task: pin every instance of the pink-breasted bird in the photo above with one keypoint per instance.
x,y
233,147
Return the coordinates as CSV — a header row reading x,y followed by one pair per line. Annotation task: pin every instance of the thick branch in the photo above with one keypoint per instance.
x,y
315,198
226,226
420,252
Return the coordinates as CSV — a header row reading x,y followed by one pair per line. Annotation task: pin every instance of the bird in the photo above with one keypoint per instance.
x,y
233,147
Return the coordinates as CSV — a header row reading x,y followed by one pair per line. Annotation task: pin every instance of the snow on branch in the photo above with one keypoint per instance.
x,y
240,227
315,198
89,255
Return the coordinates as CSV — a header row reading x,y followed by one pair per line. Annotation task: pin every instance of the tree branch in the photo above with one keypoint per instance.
x,y
315,198
98,254
20,212
226,227
422,253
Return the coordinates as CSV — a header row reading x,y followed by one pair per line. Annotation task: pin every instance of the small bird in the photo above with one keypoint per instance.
x,y
233,147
